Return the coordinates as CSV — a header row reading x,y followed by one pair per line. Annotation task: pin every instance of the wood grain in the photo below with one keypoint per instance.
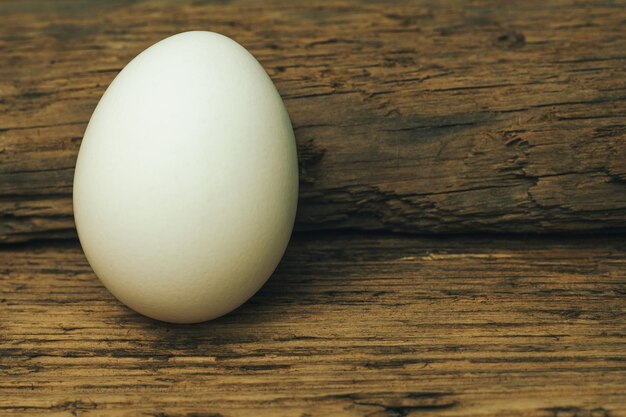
x,y
426,116
353,325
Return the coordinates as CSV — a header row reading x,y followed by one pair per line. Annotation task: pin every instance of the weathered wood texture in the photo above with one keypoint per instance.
x,y
348,326
428,116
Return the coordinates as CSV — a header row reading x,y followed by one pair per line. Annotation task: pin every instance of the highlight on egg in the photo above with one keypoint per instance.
x,y
186,182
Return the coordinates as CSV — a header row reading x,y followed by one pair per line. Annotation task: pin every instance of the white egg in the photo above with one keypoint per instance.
x,y
186,182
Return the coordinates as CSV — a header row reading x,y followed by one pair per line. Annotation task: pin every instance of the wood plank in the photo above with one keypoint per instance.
x,y
374,326
425,116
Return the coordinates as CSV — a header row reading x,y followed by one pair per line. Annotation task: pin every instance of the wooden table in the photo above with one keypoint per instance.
x,y
430,135
349,325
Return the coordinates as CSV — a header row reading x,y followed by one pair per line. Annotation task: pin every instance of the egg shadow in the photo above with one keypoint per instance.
x,y
284,295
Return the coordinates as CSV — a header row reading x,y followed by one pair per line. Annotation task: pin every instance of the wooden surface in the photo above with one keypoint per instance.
x,y
427,116
375,326
424,116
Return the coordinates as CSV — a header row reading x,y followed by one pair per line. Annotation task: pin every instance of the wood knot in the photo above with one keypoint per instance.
x,y
511,40
309,154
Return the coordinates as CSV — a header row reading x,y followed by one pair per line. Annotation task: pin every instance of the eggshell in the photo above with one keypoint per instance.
x,y
186,182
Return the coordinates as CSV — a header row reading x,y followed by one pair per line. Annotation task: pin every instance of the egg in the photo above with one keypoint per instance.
x,y
186,183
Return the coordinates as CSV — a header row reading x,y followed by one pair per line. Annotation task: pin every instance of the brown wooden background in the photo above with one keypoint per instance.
x,y
471,120
410,116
